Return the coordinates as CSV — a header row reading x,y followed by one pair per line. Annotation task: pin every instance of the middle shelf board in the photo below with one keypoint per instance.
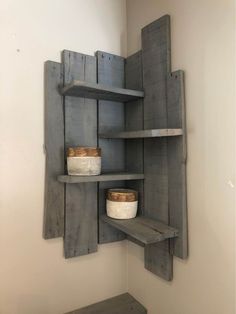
x,y
145,230
143,133
100,92
103,177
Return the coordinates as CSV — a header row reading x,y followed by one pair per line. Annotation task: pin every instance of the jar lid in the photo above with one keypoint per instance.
x,y
83,152
122,195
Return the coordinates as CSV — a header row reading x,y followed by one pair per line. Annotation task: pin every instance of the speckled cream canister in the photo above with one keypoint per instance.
x,y
122,203
84,161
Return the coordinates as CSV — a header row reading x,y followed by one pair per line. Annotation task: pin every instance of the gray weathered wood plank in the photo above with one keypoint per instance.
x,y
100,92
133,122
100,178
143,133
122,304
177,156
110,118
54,149
145,230
156,66
80,130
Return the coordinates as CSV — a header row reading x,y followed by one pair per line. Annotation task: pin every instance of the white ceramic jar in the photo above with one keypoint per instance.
x,y
84,161
122,203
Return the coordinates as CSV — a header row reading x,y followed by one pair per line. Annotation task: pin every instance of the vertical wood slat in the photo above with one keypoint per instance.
x,y
133,122
80,130
177,156
110,71
156,66
54,149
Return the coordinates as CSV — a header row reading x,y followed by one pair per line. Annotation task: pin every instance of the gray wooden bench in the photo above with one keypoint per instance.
x,y
122,304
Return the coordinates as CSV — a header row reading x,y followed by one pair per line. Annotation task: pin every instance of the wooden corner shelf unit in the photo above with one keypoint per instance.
x,y
133,109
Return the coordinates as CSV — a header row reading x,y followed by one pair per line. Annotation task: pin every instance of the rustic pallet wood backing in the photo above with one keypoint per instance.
x,y
133,122
177,155
110,117
156,66
54,150
80,130
122,304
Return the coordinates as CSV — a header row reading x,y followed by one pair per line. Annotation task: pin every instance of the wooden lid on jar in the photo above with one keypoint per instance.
x,y
83,152
122,195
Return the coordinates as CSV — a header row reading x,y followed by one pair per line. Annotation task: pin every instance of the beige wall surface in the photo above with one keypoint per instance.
x,y
34,277
203,45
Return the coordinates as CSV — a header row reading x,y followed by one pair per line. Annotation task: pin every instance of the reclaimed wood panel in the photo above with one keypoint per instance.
x,y
134,122
54,150
143,133
122,304
100,92
177,155
100,178
144,230
110,118
80,130
156,66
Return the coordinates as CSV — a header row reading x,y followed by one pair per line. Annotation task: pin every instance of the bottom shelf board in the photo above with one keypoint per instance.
x,y
102,177
144,230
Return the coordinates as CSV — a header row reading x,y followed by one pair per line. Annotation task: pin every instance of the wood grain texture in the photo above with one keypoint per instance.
x,y
177,155
110,118
144,230
143,133
54,149
133,122
80,130
122,304
101,92
119,176
156,66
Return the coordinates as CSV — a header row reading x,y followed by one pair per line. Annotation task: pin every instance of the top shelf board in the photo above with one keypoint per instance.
x,y
100,92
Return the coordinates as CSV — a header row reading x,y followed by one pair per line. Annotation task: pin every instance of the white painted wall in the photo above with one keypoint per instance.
x,y
203,44
34,277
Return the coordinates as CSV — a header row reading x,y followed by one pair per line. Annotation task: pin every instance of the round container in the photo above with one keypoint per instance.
x,y
122,203
84,161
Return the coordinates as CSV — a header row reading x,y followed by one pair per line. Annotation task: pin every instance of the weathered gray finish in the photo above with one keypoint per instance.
x,y
122,304
145,230
143,133
54,149
80,130
110,118
177,163
156,66
103,177
143,148
133,122
101,92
